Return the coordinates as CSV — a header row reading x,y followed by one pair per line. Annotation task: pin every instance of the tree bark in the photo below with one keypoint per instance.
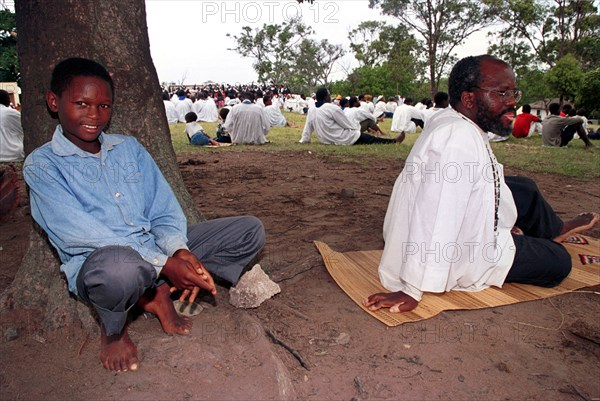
x,y
115,34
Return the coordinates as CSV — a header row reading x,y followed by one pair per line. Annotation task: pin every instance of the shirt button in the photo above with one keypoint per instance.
x,y
155,261
117,195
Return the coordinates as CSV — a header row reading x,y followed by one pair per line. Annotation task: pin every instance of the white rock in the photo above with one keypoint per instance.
x,y
253,289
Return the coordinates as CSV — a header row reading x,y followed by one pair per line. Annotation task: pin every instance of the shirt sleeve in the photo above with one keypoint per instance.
x,y
168,223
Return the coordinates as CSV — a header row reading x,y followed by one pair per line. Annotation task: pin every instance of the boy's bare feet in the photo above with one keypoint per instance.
x,y
158,301
579,223
118,352
396,301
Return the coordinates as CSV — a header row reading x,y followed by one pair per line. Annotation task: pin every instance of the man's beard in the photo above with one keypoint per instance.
x,y
494,124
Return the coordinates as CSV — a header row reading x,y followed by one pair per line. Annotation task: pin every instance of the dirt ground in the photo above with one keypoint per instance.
x,y
542,350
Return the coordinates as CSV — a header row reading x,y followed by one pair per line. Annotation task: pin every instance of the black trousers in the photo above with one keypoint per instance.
x,y
366,139
538,260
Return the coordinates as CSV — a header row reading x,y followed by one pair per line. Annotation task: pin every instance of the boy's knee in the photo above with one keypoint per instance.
x,y
256,227
113,273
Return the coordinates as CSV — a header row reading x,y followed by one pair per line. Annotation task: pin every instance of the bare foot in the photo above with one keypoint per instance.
x,y
579,223
396,301
118,352
158,301
400,137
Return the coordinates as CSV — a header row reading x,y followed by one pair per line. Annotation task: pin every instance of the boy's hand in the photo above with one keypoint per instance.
x,y
186,272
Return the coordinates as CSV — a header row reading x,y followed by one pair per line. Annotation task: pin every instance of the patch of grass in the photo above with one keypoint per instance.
x,y
527,154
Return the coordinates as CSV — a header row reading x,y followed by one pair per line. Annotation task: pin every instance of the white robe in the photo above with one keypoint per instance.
x,y
11,135
439,226
247,124
331,126
276,118
183,107
402,118
206,109
172,116
357,115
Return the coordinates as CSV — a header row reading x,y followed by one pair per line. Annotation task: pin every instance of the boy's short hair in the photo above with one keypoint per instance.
x,y
223,113
191,117
66,70
526,108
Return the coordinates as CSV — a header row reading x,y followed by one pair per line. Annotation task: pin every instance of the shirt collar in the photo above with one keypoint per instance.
x,y
61,146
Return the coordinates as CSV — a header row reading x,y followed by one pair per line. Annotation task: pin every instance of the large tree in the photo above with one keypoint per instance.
x,y
9,65
565,78
115,34
441,24
550,29
285,53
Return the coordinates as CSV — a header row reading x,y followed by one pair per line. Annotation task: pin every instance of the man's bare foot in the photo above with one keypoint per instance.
x,y
158,301
579,223
118,352
396,301
400,137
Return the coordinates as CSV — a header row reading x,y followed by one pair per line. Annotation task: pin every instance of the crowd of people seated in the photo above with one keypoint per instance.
x,y
363,113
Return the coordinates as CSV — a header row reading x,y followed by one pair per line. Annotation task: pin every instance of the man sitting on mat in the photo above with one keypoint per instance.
x,y
454,221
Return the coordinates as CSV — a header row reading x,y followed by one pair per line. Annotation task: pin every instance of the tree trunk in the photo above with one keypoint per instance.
x,y
114,33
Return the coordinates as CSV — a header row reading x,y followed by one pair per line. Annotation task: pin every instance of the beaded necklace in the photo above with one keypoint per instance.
x,y
496,185
494,163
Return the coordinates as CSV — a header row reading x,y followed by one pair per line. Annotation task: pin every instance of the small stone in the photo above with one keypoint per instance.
x,y
461,378
39,338
348,193
12,333
253,289
342,339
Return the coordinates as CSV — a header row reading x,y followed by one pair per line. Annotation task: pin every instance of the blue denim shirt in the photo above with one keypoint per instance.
x,y
86,201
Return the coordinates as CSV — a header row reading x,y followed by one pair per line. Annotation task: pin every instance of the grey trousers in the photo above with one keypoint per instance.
x,y
113,278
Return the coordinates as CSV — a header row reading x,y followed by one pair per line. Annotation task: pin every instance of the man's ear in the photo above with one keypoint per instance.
x,y
468,99
52,101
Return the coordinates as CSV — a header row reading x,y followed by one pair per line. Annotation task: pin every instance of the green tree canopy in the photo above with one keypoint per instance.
x,y
565,78
286,53
441,24
589,94
550,29
9,65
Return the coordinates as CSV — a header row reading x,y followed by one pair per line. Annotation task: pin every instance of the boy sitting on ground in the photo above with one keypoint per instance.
x,y
122,237
195,132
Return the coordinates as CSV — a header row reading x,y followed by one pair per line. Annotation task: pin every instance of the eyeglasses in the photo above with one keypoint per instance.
x,y
505,95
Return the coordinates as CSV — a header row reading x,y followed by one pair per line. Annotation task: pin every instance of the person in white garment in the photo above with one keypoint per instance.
x,y
360,116
247,122
390,107
454,221
11,131
332,127
206,108
172,116
274,114
183,105
407,118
